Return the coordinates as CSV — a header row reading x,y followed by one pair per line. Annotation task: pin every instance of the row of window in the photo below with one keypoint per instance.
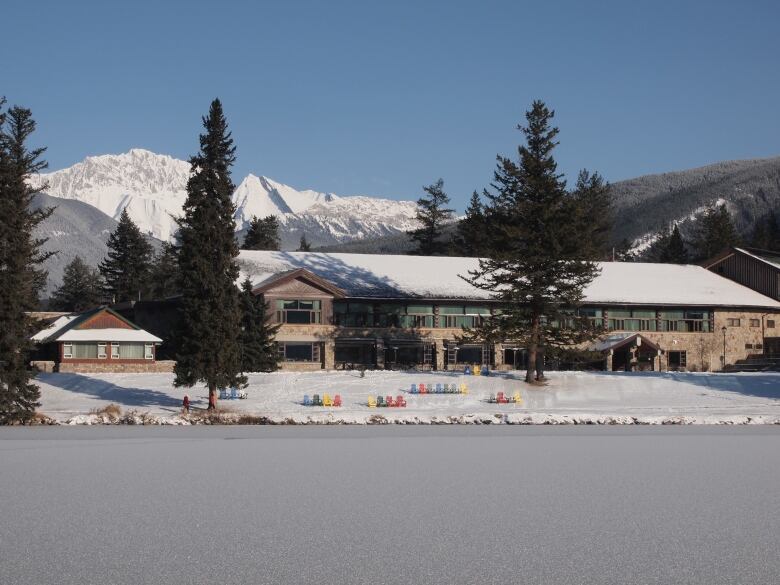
x,y
299,351
119,351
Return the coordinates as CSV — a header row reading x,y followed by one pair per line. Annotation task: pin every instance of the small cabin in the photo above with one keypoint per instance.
x,y
99,340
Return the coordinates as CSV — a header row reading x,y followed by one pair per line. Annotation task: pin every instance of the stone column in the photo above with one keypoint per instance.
x,y
329,349
439,345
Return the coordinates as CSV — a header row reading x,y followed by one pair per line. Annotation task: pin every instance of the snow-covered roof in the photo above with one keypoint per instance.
x,y
109,334
392,276
65,329
771,259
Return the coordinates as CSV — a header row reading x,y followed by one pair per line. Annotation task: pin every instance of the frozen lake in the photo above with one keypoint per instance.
x,y
390,504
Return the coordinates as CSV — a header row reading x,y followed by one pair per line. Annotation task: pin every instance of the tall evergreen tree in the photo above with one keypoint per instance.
x,y
592,206
674,251
432,214
20,257
164,276
81,288
127,266
207,338
714,231
258,348
263,234
304,246
537,267
471,234
623,252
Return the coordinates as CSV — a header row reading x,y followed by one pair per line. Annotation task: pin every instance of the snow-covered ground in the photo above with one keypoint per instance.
x,y
568,397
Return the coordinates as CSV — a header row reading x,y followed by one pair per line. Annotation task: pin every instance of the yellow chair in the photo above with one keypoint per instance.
x,y
463,388
371,402
327,400
476,370
517,398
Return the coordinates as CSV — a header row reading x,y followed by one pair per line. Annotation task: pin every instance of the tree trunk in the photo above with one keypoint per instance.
x,y
532,349
540,363
212,396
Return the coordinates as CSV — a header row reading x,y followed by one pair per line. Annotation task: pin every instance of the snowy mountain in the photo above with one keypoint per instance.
x,y
153,189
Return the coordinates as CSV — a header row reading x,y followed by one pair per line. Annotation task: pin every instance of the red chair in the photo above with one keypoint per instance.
x,y
389,401
423,389
400,401
337,400
501,399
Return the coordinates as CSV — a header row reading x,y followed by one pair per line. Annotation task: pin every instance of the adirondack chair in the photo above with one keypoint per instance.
x,y
492,399
327,400
380,402
389,401
463,388
423,389
315,401
467,371
233,393
500,398
516,398
306,400
413,389
223,394
476,371
337,400
439,389
400,401
485,371
371,402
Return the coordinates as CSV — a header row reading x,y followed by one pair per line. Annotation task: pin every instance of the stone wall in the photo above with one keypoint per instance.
x,y
162,366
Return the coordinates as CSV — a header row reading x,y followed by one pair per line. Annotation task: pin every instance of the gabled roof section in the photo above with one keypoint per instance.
x,y
769,257
67,329
271,281
619,340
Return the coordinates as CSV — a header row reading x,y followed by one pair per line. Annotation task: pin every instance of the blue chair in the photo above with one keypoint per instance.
x,y
467,370
485,371
413,389
234,393
306,400
439,389
223,394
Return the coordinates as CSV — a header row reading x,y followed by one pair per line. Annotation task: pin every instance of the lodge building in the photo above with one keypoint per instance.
x,y
379,311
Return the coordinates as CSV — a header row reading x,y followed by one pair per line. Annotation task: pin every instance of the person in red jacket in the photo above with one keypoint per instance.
x,y
186,403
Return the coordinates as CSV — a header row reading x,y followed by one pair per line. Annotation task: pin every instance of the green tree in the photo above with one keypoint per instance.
x,y
537,267
258,348
432,215
81,288
591,204
126,269
471,238
21,255
164,277
263,234
714,231
669,248
623,252
207,337
304,246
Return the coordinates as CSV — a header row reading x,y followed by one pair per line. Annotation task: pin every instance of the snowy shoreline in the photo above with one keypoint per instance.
x,y
569,398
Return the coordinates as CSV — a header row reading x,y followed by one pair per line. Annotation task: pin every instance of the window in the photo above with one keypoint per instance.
x,y
755,323
86,351
632,319
67,350
114,351
131,351
299,312
685,321
733,322
354,314
678,360
759,346
299,352
770,323
457,317
149,351
748,346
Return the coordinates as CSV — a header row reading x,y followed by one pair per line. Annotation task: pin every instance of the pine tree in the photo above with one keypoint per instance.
x,y
207,337
304,246
127,266
714,232
258,348
471,233
537,267
432,216
164,277
20,256
760,236
263,234
674,251
623,252
592,207
81,288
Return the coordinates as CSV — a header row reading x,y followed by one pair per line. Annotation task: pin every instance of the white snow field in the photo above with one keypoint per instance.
x,y
568,397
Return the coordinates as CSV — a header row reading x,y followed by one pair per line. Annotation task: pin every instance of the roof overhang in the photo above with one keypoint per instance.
x,y
298,274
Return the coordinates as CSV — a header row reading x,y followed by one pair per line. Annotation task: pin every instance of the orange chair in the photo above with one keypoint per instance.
x,y
400,401
337,400
423,389
389,401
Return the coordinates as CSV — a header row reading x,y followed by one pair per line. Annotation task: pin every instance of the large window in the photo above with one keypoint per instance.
x,y
299,351
632,319
299,312
85,351
685,321
354,314
462,316
398,315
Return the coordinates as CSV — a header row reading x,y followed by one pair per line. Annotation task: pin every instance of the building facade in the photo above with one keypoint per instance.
x,y
374,311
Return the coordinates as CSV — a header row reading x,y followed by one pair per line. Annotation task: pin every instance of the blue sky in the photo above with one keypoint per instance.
x,y
380,98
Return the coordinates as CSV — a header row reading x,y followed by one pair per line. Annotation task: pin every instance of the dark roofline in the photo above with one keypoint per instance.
x,y
288,275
